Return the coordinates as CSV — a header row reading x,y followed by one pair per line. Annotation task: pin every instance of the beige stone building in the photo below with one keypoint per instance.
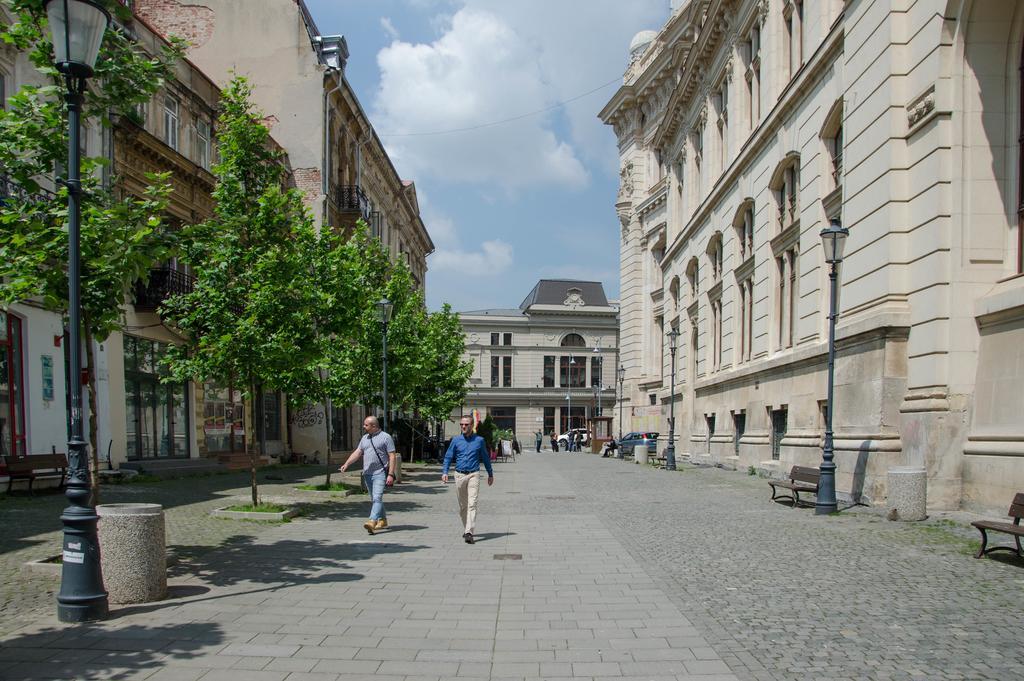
x,y
139,421
536,364
337,159
743,126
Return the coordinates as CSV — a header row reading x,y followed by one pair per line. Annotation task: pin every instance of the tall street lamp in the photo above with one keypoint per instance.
x,y
833,239
596,384
670,451
622,377
77,28
384,309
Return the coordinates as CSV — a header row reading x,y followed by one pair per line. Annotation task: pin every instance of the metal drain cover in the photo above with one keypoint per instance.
x,y
508,556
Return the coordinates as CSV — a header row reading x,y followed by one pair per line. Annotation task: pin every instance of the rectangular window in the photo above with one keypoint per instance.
x,y
579,418
203,144
549,420
223,419
12,389
506,372
786,298
271,413
779,418
157,413
495,369
710,420
595,371
172,120
504,417
739,426
572,372
549,372
506,339
494,338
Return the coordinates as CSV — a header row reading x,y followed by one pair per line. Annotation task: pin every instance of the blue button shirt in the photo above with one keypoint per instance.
x,y
468,452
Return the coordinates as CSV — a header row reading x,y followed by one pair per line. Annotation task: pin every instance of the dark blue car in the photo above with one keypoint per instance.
x,y
631,440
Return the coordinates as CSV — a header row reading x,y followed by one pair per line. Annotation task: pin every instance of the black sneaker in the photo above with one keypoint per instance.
x,y
468,537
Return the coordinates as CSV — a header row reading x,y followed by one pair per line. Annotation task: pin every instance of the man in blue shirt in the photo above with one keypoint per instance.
x,y
469,450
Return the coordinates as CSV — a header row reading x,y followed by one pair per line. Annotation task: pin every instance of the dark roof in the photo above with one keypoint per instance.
x,y
498,312
556,291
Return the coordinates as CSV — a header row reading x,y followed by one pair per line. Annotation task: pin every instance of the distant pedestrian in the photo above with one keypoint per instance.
x,y
516,447
377,449
554,442
540,440
468,450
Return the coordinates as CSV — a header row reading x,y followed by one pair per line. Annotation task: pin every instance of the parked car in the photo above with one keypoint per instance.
x,y
563,439
631,440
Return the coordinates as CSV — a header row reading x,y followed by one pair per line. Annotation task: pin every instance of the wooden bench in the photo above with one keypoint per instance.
x,y
801,479
1015,529
37,467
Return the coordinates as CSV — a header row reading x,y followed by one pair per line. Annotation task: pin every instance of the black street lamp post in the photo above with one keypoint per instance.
x,y
622,377
77,28
833,239
384,309
670,451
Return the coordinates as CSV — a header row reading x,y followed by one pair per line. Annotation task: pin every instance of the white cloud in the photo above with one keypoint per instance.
x,y
496,60
493,258
480,70
389,27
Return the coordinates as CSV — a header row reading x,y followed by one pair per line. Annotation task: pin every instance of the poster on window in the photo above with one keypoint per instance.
x,y
47,378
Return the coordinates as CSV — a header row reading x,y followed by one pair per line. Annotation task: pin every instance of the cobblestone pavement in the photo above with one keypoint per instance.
x,y
586,568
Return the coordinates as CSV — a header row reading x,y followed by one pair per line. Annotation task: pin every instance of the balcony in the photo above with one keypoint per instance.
x,y
350,199
9,189
163,283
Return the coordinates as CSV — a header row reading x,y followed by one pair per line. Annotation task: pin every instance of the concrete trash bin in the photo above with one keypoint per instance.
x,y
133,553
640,454
908,493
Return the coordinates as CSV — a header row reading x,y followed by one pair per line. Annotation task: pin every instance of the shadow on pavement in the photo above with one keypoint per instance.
x,y
96,652
488,536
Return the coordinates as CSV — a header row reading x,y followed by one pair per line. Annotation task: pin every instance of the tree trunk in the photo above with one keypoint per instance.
x,y
252,451
94,459
327,418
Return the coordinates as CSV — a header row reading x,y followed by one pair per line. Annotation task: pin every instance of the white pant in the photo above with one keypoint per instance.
x,y
467,488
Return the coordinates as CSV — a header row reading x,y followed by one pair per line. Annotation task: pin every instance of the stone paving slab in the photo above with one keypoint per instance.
x,y
626,572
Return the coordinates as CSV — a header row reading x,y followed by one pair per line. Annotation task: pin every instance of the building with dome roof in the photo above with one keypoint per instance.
x,y
554,355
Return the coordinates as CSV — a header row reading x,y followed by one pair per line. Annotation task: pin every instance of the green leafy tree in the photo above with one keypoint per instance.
x,y
251,315
487,430
121,237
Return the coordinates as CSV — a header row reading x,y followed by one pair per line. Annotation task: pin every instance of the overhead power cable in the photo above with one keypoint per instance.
x,y
491,124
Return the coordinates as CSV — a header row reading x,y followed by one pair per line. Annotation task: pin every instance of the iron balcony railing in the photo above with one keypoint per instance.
x,y
349,198
9,189
163,283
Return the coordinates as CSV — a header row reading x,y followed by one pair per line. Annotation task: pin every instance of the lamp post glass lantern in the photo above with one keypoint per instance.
x,y
833,241
670,451
77,28
384,309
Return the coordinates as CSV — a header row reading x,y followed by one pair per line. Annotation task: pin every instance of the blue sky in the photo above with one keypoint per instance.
x,y
509,203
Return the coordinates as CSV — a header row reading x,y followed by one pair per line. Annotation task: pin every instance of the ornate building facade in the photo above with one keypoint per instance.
x,y
549,360
744,126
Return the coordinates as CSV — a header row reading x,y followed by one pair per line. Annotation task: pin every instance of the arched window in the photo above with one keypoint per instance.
x,y
715,257
785,184
573,340
743,223
693,278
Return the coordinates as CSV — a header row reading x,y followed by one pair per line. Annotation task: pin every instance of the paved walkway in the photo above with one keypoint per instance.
x,y
586,568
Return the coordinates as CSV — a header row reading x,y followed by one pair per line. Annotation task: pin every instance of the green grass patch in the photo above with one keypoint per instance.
x,y
264,507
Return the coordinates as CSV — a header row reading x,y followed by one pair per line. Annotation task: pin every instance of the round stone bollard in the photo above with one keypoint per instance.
x,y
641,454
133,552
908,493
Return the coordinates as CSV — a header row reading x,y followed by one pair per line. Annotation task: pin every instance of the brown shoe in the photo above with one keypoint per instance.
x,y
370,526
381,524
